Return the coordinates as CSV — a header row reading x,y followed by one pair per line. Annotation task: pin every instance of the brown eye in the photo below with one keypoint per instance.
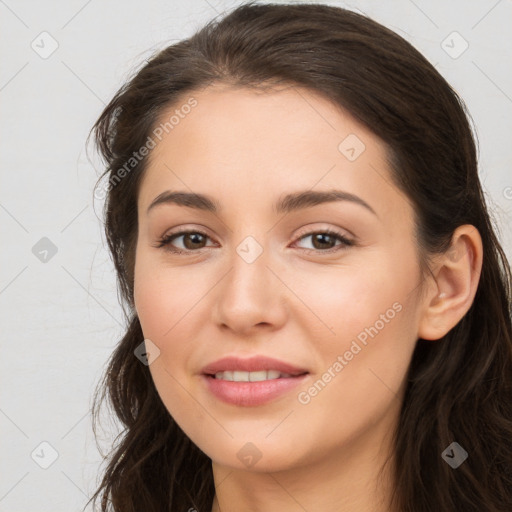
x,y
325,241
191,240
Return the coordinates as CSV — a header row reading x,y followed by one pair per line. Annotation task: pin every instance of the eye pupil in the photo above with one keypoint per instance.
x,y
322,237
322,241
194,237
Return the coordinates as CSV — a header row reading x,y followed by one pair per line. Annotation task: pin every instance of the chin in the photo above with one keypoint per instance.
x,y
253,456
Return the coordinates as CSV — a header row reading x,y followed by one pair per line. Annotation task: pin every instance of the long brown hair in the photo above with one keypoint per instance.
x,y
458,389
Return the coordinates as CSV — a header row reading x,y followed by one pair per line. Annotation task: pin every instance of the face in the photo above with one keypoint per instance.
x,y
276,268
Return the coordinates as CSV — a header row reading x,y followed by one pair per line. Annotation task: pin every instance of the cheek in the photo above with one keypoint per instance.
x,y
363,327
342,301
360,381
163,296
164,300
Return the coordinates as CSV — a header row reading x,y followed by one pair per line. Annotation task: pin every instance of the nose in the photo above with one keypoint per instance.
x,y
250,297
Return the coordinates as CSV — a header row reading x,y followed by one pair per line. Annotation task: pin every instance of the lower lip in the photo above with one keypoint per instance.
x,y
249,394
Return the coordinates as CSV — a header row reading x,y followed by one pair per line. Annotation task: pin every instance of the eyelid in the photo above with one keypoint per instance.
x,y
346,241
332,231
166,239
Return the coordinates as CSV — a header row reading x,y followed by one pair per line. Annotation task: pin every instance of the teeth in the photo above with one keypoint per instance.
x,y
237,376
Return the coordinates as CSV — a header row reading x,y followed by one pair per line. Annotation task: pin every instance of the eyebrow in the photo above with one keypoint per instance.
x,y
286,204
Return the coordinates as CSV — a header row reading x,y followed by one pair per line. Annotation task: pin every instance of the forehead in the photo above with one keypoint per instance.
x,y
289,122
248,146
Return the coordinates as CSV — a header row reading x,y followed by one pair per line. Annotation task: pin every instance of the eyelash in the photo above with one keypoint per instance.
x,y
165,241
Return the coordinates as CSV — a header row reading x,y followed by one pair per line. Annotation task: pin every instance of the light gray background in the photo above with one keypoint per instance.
x,y
61,318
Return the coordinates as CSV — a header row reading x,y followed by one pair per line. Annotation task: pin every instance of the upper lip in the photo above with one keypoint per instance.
x,y
251,364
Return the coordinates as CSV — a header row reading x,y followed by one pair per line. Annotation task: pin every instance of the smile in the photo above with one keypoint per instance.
x,y
258,376
235,388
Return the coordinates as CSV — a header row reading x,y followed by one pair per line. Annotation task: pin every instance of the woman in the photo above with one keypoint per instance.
x,y
318,306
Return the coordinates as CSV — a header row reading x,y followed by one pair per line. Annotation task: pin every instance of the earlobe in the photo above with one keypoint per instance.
x,y
457,275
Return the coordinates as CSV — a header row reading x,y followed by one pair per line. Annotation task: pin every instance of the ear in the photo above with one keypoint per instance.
x,y
456,277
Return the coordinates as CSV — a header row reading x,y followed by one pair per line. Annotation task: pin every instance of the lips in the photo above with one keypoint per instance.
x,y
251,382
252,364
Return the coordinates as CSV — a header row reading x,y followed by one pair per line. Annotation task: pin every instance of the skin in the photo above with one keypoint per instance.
x,y
246,149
